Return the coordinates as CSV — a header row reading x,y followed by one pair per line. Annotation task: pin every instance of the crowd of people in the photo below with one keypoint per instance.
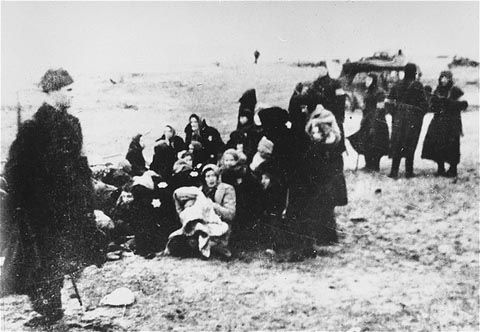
x,y
274,183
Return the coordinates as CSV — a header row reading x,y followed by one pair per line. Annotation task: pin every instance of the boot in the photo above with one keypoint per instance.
x,y
409,167
395,167
441,168
452,171
376,163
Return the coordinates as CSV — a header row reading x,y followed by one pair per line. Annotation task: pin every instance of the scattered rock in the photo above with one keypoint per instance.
x,y
270,252
103,221
113,256
120,297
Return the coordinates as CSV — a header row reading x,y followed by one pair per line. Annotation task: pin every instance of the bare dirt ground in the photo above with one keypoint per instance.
x,y
411,265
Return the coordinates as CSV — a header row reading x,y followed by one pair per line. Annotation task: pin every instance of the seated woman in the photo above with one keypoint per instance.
x,y
135,156
198,153
184,175
222,195
163,159
205,214
172,139
198,130
150,213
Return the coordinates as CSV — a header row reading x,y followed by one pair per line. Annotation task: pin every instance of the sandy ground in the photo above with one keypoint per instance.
x,y
412,265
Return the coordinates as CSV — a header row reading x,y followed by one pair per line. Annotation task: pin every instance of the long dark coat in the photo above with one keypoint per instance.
x,y
51,226
319,185
154,217
247,191
407,117
442,142
372,138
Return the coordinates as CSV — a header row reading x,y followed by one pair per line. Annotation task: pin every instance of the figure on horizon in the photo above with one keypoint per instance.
x,y
256,54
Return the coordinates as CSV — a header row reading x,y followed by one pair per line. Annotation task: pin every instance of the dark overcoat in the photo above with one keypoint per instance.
x,y
372,138
51,225
407,117
210,138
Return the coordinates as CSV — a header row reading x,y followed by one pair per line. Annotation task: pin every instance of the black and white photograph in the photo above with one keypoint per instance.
x,y
239,166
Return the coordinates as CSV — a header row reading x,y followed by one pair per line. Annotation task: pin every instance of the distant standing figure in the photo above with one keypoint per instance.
x,y
372,139
442,142
436,144
409,107
256,54
135,155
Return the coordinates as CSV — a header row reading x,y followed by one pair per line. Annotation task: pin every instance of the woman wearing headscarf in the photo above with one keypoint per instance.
x,y
172,139
163,159
409,107
198,154
51,224
318,185
442,142
372,139
246,111
135,155
435,145
198,130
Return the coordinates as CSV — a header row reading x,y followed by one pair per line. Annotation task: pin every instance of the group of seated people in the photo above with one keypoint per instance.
x,y
199,195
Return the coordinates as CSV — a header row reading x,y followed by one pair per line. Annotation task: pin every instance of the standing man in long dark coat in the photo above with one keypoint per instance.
x,y
51,229
409,107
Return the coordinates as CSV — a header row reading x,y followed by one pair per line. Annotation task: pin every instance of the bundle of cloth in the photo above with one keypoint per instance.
x,y
202,229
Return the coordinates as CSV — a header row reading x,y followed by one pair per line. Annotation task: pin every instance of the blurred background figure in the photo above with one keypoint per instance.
x,y
256,54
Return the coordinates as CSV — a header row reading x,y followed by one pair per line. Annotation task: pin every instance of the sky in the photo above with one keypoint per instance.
x,y
89,37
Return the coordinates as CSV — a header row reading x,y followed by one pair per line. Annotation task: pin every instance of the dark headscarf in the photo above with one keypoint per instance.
x,y
410,71
163,160
248,101
135,143
374,84
135,156
273,118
